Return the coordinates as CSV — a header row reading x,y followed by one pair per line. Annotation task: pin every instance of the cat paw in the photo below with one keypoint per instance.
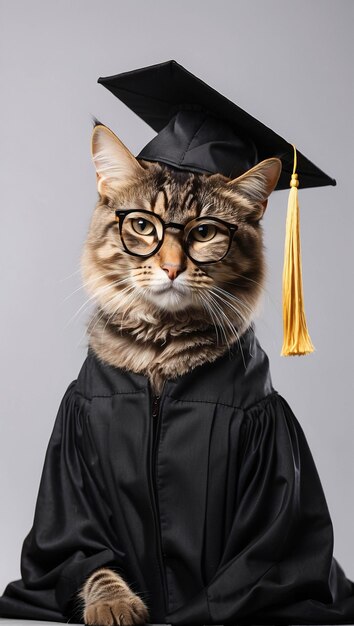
x,y
116,612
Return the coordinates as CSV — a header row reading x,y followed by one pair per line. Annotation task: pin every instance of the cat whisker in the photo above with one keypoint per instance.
x,y
246,320
61,280
220,323
209,313
223,314
263,287
233,297
110,317
94,296
88,329
232,328
100,313
217,310
131,298
121,302
243,319
89,282
243,277
231,306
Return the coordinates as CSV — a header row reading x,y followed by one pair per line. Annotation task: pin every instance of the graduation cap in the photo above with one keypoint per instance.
x,y
200,130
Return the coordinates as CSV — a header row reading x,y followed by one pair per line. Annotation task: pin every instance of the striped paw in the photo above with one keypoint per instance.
x,y
108,600
116,612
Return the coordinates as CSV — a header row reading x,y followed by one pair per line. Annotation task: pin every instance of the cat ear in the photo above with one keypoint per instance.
x,y
257,184
115,164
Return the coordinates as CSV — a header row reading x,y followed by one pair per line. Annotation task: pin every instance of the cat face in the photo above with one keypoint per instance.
x,y
169,280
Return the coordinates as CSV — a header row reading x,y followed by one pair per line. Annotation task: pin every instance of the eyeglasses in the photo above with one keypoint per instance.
x,y
205,239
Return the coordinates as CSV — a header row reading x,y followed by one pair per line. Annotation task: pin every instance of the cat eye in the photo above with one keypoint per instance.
x,y
142,226
205,239
204,232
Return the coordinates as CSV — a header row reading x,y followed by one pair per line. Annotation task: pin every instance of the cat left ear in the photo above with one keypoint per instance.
x,y
257,184
115,164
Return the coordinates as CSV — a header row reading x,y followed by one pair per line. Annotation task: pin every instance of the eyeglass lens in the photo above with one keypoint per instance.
x,y
141,233
206,240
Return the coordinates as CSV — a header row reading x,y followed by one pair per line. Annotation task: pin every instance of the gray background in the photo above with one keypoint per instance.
x,y
287,63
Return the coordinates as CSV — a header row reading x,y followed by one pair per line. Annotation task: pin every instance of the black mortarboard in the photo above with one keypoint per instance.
x,y
200,130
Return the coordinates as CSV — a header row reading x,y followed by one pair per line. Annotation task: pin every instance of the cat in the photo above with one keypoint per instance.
x,y
164,314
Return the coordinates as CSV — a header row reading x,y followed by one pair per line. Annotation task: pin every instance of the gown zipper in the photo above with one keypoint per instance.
x,y
155,414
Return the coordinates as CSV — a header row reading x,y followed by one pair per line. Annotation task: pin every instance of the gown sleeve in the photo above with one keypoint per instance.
x,y
277,564
71,534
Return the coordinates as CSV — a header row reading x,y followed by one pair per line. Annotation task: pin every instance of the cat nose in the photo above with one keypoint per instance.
x,y
172,269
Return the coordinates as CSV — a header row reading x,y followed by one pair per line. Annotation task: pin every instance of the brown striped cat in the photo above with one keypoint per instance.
x,y
163,314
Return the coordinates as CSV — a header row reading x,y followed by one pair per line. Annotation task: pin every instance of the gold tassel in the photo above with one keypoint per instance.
x,y
296,339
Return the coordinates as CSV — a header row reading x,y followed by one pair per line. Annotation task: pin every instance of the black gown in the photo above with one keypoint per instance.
x,y
212,509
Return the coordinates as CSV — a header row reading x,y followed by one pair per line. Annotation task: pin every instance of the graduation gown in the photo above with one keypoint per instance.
x,y
206,500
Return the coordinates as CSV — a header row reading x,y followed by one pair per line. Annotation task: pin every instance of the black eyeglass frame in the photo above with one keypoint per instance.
x,y
120,215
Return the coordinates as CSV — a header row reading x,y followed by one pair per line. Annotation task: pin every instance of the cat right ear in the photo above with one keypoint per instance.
x,y
115,165
257,184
